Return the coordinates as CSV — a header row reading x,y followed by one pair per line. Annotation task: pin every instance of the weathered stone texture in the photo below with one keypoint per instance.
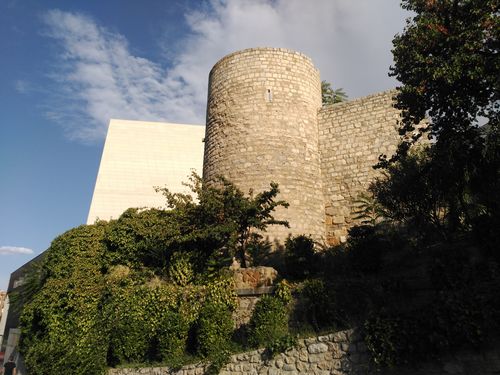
x,y
262,127
244,309
340,353
254,277
251,284
352,135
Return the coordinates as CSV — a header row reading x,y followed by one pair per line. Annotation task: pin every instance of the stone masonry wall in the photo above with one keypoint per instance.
x,y
340,353
352,135
262,127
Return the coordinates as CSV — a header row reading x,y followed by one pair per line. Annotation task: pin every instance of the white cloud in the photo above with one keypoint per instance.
x,y
22,86
101,79
7,250
349,41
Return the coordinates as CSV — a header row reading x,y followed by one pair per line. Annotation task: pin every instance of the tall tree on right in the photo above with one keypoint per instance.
x,y
447,59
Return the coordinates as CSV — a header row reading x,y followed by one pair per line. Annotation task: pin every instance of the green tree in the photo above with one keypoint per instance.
x,y
447,61
368,210
223,221
331,96
269,322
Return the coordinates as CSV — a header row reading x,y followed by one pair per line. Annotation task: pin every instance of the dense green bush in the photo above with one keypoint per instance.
x,y
213,335
450,321
62,326
131,330
214,329
460,309
391,340
150,320
180,268
269,322
300,258
283,292
411,192
171,337
339,304
319,305
142,238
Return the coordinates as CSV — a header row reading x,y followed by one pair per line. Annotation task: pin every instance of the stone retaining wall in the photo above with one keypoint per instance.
x,y
340,353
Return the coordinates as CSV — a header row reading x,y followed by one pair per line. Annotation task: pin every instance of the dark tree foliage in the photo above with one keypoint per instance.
x,y
141,238
300,258
413,193
447,59
331,96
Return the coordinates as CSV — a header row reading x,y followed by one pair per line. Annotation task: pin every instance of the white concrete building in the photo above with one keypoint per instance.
x,y
140,155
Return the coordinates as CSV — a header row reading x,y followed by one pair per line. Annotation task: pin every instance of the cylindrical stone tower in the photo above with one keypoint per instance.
x,y
262,126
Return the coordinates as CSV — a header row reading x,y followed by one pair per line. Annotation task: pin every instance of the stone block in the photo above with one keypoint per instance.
x,y
317,348
289,367
316,358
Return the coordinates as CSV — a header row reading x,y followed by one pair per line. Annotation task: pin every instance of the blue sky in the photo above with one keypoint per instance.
x,y
66,67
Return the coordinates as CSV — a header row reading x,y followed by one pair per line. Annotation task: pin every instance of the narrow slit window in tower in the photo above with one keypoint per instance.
x,y
269,95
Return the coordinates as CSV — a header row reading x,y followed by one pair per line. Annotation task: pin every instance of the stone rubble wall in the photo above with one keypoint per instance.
x,y
244,309
250,284
337,354
340,353
352,135
262,126
254,277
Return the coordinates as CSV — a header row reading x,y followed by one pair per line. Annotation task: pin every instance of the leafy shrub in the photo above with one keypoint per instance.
x,y
172,311
62,326
150,320
390,340
171,338
221,291
213,335
451,320
141,238
180,269
300,258
281,345
319,304
269,322
131,331
365,248
283,292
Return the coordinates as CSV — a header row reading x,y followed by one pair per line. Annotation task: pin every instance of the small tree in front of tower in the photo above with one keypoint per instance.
x,y
222,222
